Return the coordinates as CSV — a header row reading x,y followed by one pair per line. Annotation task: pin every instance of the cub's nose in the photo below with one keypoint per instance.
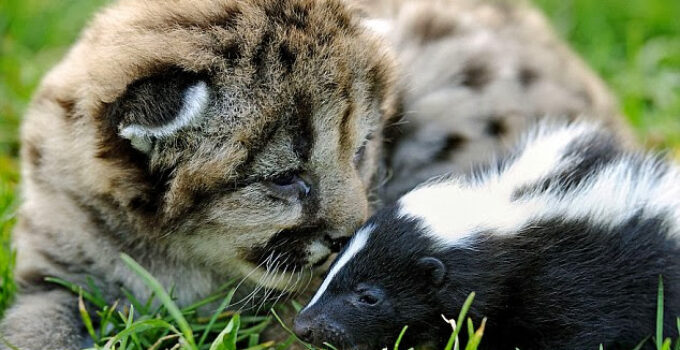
x,y
303,328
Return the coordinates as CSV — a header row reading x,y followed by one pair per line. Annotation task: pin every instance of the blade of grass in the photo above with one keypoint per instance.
x,y
641,344
128,324
134,301
253,339
476,338
138,327
149,301
677,341
164,297
226,340
262,346
296,306
7,344
453,341
223,305
257,329
161,340
105,318
97,293
85,316
306,345
288,342
666,344
217,296
401,336
76,289
230,340
470,328
461,319
331,347
659,316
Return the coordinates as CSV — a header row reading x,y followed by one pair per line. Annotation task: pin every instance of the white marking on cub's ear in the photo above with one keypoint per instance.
x,y
357,243
195,101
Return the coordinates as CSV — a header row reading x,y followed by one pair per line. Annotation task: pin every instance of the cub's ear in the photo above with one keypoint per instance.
x,y
435,268
159,106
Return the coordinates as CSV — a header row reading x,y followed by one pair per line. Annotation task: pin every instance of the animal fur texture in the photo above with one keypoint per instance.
x,y
237,138
563,242
475,74
209,140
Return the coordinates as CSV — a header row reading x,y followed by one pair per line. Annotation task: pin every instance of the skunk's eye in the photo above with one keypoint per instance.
x,y
368,299
369,296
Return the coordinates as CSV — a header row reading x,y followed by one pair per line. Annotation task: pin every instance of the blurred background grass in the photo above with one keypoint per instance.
x,y
633,44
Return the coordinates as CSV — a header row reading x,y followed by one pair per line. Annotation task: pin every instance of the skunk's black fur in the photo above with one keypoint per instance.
x,y
573,275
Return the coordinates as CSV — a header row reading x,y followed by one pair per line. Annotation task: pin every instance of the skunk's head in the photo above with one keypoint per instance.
x,y
384,279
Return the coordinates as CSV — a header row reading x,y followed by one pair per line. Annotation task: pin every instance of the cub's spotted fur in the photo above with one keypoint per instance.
x,y
208,139
475,75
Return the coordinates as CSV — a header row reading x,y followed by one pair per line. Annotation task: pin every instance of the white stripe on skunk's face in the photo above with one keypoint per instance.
x,y
385,270
357,243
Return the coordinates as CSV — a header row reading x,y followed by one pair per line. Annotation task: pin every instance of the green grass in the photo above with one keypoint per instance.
x,y
7,209
158,323
633,44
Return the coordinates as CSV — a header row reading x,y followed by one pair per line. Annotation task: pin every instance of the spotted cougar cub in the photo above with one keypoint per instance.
x,y
209,140
477,74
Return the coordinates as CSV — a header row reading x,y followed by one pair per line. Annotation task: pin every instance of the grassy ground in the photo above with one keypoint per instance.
x,y
634,44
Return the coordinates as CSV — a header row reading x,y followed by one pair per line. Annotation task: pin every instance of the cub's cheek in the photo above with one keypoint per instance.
x,y
252,213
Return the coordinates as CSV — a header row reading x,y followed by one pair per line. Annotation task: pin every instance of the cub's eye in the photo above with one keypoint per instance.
x,y
284,179
369,296
288,186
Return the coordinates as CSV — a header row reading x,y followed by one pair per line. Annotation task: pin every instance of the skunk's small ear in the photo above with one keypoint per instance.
x,y
435,268
159,106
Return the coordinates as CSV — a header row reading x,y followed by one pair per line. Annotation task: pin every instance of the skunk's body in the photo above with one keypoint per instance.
x,y
563,242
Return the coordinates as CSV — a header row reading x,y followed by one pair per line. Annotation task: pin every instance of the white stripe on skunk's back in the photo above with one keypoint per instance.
x,y
456,209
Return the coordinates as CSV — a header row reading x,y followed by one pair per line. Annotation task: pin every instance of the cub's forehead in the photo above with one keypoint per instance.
x,y
245,39
254,66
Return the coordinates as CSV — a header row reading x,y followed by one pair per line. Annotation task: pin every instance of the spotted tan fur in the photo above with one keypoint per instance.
x,y
475,75
294,87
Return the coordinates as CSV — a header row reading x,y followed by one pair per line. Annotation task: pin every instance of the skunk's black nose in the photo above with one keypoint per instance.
x,y
303,328
313,326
